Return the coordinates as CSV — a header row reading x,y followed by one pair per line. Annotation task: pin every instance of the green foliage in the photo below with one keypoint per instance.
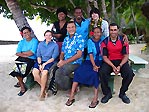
x,y
131,38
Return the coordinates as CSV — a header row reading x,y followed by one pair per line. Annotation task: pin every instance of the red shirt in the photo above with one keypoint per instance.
x,y
114,50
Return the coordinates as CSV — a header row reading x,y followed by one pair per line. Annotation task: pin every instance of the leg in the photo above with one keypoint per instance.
x,y
36,74
62,76
127,75
73,90
104,73
71,99
95,101
23,89
43,83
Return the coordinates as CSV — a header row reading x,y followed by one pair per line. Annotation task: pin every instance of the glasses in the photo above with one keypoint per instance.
x,y
113,29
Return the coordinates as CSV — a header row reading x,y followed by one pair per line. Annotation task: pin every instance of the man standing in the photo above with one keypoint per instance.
x,y
115,56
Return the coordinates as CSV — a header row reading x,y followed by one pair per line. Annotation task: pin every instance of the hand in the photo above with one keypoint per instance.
x,y
95,68
116,70
61,63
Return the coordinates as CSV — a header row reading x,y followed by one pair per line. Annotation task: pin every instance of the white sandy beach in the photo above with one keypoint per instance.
x,y
11,102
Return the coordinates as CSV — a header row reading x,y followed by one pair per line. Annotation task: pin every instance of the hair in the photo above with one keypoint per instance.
x,y
94,10
69,22
97,28
78,7
47,31
61,9
113,24
29,29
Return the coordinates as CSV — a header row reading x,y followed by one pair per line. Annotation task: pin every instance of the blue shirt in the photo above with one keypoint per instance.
x,y
47,51
24,46
71,45
94,48
83,29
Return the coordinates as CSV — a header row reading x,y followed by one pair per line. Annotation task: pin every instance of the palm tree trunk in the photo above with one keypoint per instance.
x,y
104,10
113,11
134,21
18,16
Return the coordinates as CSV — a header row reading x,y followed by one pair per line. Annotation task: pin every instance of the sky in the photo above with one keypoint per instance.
x,y
9,30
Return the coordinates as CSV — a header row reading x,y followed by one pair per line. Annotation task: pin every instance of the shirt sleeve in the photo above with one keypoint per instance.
x,y
55,52
89,46
105,29
80,45
63,45
34,46
39,50
19,48
104,50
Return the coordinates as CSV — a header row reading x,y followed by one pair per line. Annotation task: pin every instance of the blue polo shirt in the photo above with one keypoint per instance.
x,y
71,45
83,29
24,46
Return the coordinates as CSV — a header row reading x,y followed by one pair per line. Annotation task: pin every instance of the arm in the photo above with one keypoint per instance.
x,y
95,68
106,60
25,54
73,58
56,34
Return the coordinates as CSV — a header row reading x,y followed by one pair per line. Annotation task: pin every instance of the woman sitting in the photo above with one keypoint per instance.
x,y
87,73
47,52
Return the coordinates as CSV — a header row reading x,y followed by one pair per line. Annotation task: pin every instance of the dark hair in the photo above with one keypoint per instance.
x,y
113,24
70,22
95,10
78,7
29,29
61,9
97,28
47,31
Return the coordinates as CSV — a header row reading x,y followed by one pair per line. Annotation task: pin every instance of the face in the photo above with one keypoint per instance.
x,y
95,16
97,33
113,31
78,13
48,36
26,34
71,28
61,16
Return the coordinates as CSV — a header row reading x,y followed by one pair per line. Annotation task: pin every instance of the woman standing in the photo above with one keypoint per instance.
x,y
47,52
59,27
97,21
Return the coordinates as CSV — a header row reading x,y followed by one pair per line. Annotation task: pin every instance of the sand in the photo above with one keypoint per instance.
x,y
11,102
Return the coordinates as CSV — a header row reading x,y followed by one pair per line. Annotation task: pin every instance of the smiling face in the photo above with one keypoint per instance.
x,y
71,28
27,34
61,16
97,33
113,32
95,16
78,14
48,36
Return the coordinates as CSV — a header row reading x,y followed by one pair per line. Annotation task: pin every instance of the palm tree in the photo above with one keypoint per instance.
x,y
18,16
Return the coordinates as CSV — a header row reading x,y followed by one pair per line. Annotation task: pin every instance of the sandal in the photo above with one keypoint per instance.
x,y
70,102
17,85
22,92
93,104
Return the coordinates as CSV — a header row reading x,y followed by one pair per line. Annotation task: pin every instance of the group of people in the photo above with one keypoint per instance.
x,y
91,48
